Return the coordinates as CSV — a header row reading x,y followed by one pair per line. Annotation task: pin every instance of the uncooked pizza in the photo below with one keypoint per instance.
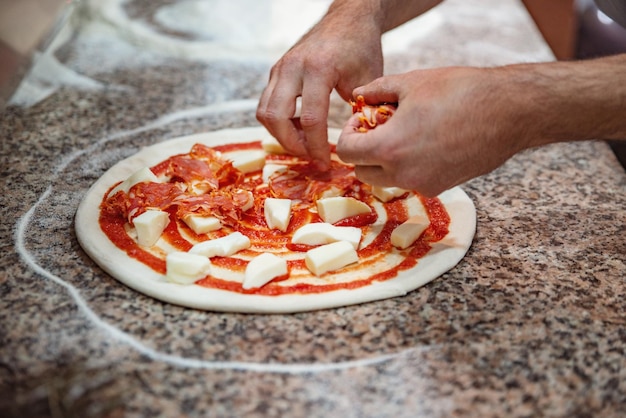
x,y
227,221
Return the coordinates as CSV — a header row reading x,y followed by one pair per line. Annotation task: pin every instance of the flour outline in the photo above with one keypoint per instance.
x,y
179,361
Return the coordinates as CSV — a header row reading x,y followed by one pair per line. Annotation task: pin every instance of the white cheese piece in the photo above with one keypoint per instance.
x,y
262,269
223,247
248,161
202,224
199,187
149,226
320,233
272,146
332,191
145,175
330,257
277,213
186,268
334,209
270,169
250,203
405,234
385,194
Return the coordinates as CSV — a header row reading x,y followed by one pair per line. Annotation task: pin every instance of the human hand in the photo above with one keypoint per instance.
x,y
335,54
451,125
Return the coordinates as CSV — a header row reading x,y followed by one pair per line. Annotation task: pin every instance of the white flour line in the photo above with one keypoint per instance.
x,y
29,259
197,112
294,368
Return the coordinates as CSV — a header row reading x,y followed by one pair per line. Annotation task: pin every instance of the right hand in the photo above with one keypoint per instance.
x,y
451,125
341,52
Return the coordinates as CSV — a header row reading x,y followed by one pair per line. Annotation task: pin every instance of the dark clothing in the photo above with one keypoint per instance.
x,y
615,9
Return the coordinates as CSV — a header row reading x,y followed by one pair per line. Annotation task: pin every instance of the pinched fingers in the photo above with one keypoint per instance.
x,y
378,161
382,90
275,111
314,119
302,131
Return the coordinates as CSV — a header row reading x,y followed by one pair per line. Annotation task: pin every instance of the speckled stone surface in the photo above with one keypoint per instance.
x,y
531,323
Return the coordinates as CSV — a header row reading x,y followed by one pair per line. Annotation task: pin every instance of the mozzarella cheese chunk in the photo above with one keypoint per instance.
x,y
269,169
149,226
262,269
202,224
145,175
332,191
250,203
223,247
272,146
277,213
405,234
248,161
334,209
330,257
320,233
186,268
385,194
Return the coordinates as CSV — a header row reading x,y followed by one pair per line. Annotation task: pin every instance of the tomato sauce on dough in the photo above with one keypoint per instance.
x,y
225,185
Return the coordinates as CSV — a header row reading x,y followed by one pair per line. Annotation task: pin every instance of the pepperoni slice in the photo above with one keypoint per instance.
x,y
371,116
305,183
143,196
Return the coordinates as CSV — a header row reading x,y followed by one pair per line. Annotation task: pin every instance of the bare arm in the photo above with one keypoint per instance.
x,y
387,14
583,100
341,52
453,124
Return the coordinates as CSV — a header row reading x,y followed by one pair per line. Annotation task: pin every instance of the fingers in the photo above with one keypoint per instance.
x,y
305,134
314,120
373,175
381,90
275,111
364,148
358,148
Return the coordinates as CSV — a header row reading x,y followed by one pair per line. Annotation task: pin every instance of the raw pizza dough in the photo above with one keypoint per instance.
x,y
443,256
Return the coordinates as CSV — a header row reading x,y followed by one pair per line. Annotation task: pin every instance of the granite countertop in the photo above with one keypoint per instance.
x,y
532,322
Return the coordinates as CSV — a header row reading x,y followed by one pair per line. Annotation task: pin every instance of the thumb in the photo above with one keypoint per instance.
x,y
381,90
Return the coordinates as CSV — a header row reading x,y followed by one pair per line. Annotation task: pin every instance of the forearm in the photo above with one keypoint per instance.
x,y
385,14
569,101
